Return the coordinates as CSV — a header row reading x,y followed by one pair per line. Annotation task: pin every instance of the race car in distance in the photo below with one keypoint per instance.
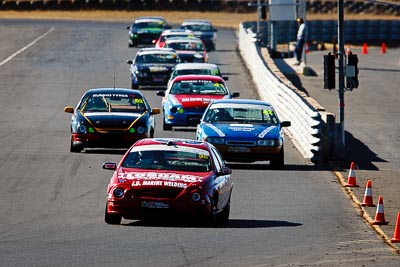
x,y
189,49
159,43
110,117
187,96
196,68
169,177
146,29
152,66
204,30
244,130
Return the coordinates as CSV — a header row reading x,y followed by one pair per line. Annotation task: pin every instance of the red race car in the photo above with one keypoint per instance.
x,y
169,177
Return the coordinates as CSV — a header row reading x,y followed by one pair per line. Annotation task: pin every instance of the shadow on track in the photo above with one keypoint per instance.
x,y
358,152
110,151
288,167
232,224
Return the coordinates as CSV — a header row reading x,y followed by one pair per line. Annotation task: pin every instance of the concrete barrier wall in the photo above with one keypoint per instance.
x,y
306,129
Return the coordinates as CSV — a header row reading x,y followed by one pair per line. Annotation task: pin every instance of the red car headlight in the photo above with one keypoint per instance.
x,y
196,196
118,192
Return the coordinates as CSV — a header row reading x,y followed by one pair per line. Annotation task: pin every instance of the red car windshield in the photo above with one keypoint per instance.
x,y
168,160
186,46
198,87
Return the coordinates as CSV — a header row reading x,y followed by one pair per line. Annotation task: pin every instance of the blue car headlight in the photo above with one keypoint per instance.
x,y
215,140
178,110
81,128
140,130
141,73
266,142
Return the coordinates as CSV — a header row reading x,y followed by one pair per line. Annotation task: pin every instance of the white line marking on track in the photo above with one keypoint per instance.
x,y
26,47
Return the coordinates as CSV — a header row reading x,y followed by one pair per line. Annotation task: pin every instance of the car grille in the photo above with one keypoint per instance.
x,y
147,37
240,143
170,193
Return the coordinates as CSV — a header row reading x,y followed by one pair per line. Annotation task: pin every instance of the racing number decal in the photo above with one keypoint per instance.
x,y
268,112
138,101
202,156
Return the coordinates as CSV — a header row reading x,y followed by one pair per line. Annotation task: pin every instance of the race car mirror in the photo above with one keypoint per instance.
x,y
109,166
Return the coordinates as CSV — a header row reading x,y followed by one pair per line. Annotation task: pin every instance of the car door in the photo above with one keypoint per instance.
x,y
223,181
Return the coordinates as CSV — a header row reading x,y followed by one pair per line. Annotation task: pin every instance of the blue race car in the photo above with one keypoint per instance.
x,y
244,130
204,30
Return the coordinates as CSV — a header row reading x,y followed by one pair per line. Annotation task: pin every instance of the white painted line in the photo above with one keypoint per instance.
x,y
26,47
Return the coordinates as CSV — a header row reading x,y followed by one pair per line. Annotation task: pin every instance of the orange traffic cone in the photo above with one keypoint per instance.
x,y
396,236
348,49
364,49
380,213
368,195
351,179
383,48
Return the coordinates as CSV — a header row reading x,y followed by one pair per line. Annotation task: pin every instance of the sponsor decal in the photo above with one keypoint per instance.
x,y
162,147
160,176
154,205
196,99
110,95
159,183
216,129
197,81
157,69
266,131
241,127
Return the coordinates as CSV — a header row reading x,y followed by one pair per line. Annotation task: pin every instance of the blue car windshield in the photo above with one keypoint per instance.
x,y
198,27
241,114
162,58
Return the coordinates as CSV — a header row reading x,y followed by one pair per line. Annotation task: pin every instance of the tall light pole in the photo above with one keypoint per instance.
x,y
341,70
259,6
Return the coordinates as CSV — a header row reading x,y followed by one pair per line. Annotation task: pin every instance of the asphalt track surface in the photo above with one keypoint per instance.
x,y
52,201
371,118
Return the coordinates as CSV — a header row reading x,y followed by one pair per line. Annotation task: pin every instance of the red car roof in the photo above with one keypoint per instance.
x,y
199,77
173,141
